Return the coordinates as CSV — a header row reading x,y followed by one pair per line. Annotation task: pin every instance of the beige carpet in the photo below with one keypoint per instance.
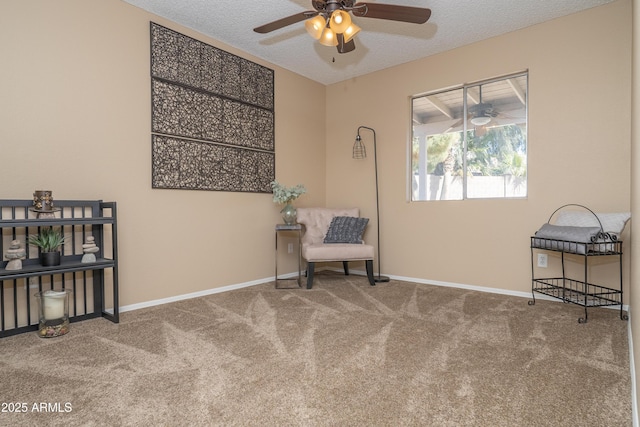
x,y
343,353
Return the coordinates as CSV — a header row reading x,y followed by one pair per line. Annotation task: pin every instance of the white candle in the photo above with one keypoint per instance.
x,y
53,303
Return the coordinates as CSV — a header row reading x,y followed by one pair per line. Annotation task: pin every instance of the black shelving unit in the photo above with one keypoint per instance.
x,y
94,285
574,290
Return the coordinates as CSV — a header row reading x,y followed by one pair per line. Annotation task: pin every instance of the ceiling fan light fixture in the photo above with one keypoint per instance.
x,y
339,21
329,37
480,120
350,32
315,26
331,22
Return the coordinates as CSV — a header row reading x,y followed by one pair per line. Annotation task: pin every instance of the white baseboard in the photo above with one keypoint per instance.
x,y
182,297
522,294
526,294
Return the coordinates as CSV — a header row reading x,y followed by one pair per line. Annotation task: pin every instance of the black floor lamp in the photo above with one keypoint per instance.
x,y
359,152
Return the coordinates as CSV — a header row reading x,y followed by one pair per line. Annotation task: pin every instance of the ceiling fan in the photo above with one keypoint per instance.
x,y
482,112
331,24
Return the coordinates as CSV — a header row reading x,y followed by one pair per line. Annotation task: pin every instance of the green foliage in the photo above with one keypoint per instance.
x,y
439,148
48,240
283,195
500,151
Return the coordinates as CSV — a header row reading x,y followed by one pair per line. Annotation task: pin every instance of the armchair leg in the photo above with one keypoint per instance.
x,y
310,267
345,264
369,265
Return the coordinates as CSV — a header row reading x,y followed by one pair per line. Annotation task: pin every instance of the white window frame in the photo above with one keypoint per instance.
x,y
524,97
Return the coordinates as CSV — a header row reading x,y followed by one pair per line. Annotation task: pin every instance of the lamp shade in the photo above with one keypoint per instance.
x,y
351,31
339,21
315,26
329,37
359,150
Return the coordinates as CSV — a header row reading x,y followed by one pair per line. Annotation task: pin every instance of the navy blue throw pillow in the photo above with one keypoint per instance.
x,y
346,229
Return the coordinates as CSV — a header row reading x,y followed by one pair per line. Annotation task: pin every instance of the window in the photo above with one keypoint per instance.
x,y
484,156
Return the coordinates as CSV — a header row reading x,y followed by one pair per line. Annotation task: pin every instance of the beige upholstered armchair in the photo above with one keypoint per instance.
x,y
340,242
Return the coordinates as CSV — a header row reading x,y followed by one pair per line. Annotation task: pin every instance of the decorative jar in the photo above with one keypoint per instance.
x,y
53,313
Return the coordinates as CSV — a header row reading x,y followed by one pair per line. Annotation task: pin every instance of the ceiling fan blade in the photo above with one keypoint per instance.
x,y
281,23
414,15
345,47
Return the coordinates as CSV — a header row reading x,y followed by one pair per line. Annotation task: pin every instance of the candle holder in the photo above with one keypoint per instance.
x,y
53,312
43,204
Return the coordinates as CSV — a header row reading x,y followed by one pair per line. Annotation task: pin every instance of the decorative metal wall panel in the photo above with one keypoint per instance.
x,y
193,165
209,106
184,112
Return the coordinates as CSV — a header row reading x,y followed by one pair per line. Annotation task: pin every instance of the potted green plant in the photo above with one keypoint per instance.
x,y
49,241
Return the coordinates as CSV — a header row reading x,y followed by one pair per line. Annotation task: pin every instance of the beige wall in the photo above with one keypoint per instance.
x,y
635,195
75,119
579,147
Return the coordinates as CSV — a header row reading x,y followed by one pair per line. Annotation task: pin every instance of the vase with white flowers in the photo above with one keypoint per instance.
x,y
283,195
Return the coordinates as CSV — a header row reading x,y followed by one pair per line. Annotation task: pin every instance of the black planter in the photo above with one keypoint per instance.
x,y
48,259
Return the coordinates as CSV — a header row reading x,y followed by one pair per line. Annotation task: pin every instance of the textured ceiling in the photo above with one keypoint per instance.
x,y
380,44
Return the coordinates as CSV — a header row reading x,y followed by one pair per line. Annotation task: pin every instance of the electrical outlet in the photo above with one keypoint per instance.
x,y
542,260
290,248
